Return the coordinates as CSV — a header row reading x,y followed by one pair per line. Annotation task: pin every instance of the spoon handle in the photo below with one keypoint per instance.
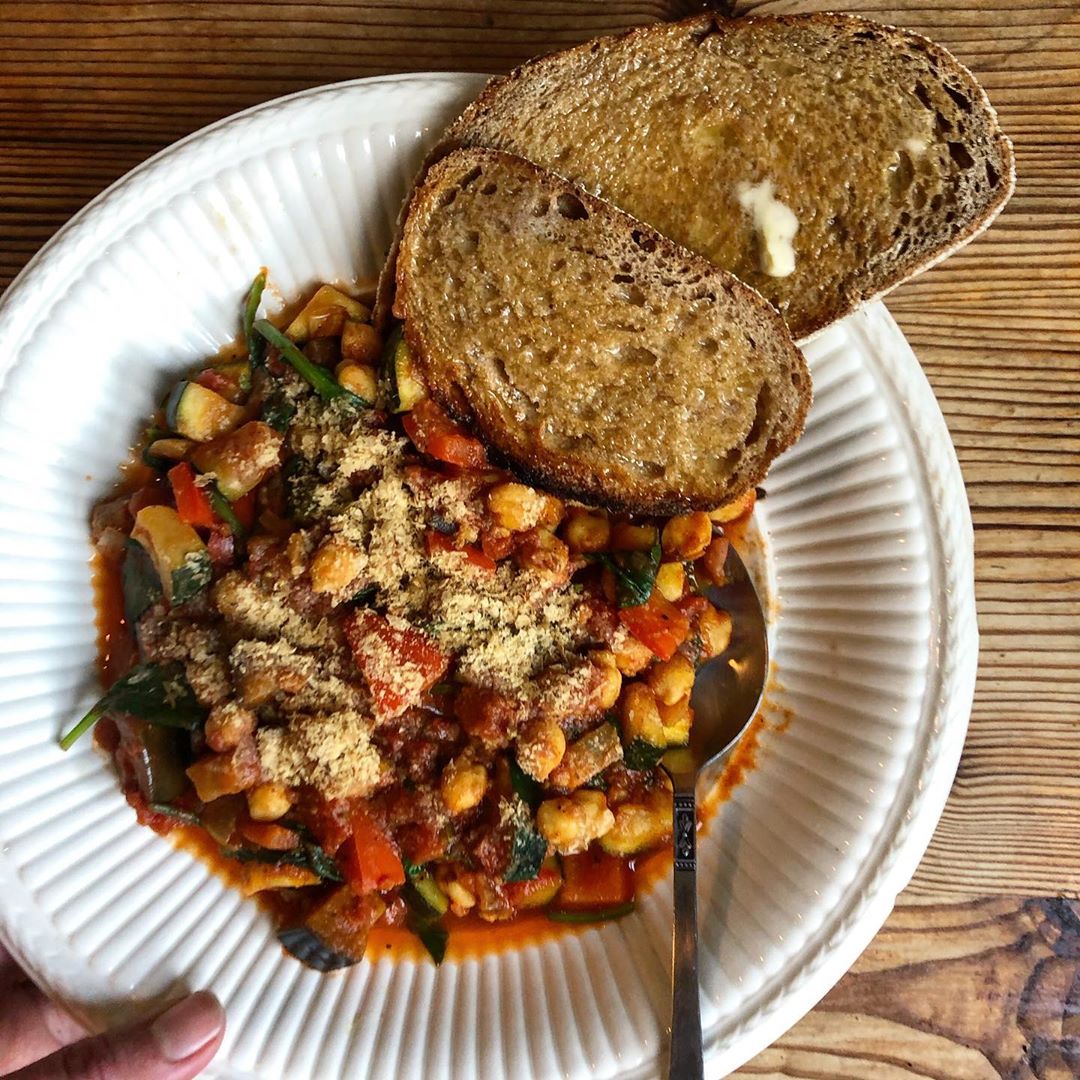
x,y
685,1059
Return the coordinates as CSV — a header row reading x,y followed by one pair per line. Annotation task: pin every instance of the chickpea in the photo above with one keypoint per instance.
x,y
570,824
671,679
228,725
361,343
734,509
359,379
518,507
464,784
687,535
269,801
631,656
671,581
607,693
544,553
712,562
639,716
627,537
714,628
540,748
335,566
587,531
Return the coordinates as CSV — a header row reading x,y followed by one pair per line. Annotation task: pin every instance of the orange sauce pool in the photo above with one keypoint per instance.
x,y
469,936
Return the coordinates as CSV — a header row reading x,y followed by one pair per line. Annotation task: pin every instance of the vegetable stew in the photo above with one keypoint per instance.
x,y
387,680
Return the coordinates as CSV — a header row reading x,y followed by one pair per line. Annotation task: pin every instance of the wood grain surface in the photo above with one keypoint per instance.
x,y
977,973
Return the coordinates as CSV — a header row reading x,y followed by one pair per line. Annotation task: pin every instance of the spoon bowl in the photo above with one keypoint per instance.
x,y
726,696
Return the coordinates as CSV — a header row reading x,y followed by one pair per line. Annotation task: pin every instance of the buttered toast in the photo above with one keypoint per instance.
x,y
599,357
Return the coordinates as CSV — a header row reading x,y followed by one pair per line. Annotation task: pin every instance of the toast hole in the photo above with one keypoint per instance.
x,y
698,36
923,95
918,197
959,153
904,245
772,448
950,217
944,124
622,279
937,202
752,343
992,177
901,175
558,264
633,295
447,197
639,356
646,243
489,188
469,177
709,346
541,207
652,469
796,379
905,219
963,102
571,207
733,457
761,410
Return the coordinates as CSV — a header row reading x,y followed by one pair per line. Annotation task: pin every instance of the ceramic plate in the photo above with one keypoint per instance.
x,y
870,553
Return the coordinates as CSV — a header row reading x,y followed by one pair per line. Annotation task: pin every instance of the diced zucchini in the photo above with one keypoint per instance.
x,y
200,414
423,889
676,720
241,459
639,826
139,580
324,315
540,890
158,762
181,558
642,729
586,757
527,847
238,372
312,951
408,389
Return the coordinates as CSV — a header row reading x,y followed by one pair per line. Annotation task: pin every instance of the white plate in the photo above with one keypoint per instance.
x,y
871,548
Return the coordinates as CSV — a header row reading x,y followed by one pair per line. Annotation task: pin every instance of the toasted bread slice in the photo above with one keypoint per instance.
x,y
874,147
596,355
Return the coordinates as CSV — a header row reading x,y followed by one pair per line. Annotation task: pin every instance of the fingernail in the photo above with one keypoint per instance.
x,y
188,1026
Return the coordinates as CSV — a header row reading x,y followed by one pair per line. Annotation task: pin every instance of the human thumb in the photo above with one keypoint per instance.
x,y
176,1046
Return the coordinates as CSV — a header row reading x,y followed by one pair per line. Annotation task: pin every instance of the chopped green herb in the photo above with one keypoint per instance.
x,y
158,464
278,413
324,384
223,508
255,344
635,574
434,938
156,693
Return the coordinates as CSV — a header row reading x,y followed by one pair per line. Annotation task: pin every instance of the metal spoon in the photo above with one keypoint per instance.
x,y
726,695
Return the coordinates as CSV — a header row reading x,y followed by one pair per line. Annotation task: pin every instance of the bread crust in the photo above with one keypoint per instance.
x,y
563,472
640,38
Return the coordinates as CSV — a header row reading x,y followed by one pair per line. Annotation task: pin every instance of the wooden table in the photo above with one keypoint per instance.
x,y
977,973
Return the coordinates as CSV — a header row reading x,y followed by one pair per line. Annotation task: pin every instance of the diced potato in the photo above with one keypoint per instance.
x,y
587,531
676,719
631,655
610,678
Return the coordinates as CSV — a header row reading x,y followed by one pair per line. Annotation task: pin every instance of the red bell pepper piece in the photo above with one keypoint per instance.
x,y
244,509
371,862
192,502
437,541
594,880
398,662
658,624
435,434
